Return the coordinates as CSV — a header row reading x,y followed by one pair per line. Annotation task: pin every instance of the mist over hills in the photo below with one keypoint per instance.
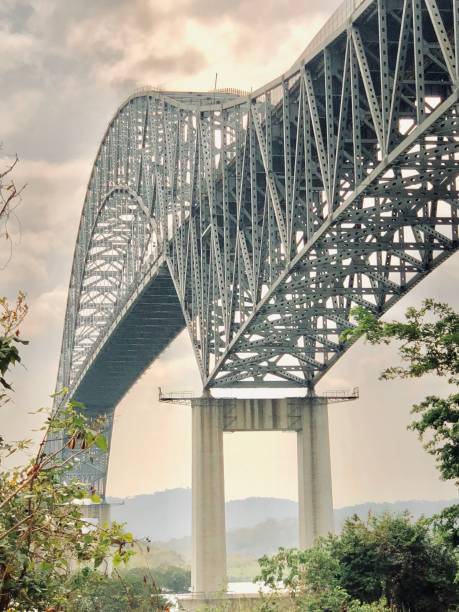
x,y
166,515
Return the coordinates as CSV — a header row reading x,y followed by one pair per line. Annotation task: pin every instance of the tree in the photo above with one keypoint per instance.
x,y
168,577
310,576
42,528
429,339
94,591
395,558
384,559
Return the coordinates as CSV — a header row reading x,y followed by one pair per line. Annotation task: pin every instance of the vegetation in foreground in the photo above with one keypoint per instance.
x,y
387,563
428,343
43,532
132,590
391,562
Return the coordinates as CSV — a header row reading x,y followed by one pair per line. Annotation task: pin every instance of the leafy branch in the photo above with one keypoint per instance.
x,y
10,198
429,339
11,317
42,526
429,344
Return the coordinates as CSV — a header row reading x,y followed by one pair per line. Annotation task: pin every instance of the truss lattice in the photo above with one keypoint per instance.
x,y
271,214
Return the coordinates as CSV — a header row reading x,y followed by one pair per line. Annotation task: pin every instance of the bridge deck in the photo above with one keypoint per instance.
x,y
151,322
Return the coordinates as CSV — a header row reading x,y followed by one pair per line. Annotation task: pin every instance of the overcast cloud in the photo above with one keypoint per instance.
x,y
65,68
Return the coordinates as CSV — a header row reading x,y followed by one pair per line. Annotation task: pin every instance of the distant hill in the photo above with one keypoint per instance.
x,y
416,508
160,516
266,537
248,542
255,510
166,516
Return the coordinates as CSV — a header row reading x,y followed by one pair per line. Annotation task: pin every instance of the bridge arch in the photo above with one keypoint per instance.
x,y
272,214
121,244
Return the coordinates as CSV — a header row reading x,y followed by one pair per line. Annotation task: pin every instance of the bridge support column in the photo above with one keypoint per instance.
x,y
210,418
100,512
314,473
208,498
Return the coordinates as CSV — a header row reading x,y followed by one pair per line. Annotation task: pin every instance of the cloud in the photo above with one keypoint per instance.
x,y
253,14
45,313
17,110
43,229
16,49
65,68
69,63
124,44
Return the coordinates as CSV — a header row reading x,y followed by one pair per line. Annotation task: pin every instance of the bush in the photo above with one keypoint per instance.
x,y
392,556
384,559
168,577
130,591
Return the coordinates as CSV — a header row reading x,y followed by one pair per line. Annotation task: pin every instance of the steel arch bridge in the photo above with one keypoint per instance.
x,y
257,221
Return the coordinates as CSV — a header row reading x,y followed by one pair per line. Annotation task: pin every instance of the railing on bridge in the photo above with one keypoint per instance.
x,y
332,27
341,395
176,397
184,397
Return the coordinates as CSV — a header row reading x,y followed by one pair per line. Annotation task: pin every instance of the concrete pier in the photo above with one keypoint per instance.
x,y
208,570
211,417
314,473
100,512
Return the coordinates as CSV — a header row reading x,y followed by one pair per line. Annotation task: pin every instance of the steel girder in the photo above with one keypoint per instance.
x,y
273,213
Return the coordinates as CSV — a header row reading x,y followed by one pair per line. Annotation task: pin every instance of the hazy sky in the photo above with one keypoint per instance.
x,y
66,66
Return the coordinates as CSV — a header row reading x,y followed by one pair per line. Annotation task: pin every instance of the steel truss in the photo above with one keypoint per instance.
x,y
275,213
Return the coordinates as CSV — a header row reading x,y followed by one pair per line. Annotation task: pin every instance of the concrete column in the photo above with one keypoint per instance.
x,y
105,514
100,512
305,489
314,473
208,572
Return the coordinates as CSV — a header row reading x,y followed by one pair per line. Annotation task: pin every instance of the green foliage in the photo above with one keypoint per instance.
x,y
311,577
429,339
392,556
385,559
445,525
42,528
43,532
167,577
173,579
9,356
439,423
377,606
11,316
91,591
358,557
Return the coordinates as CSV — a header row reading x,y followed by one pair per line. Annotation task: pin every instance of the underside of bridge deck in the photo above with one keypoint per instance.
x,y
147,327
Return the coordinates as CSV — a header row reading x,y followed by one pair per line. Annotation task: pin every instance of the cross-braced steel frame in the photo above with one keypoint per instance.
x,y
258,221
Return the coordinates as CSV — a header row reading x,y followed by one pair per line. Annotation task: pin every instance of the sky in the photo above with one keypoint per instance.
x,y
66,67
